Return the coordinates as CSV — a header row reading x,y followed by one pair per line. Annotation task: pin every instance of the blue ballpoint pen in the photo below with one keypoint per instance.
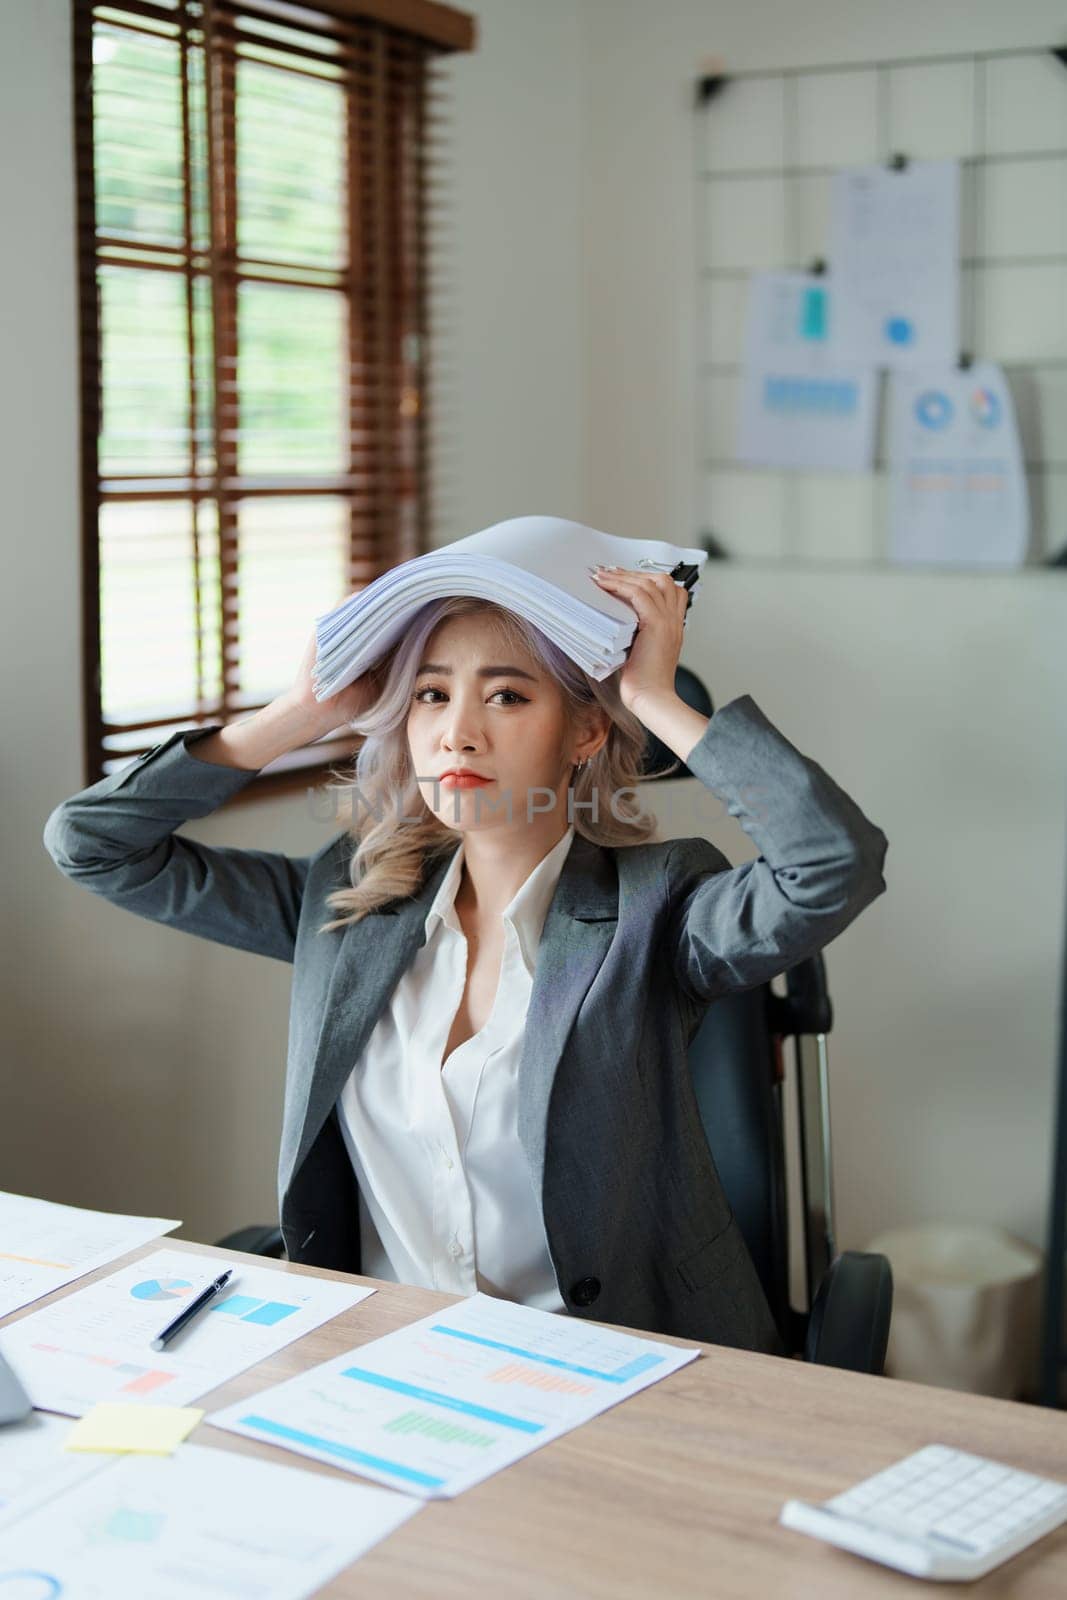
x,y
204,1298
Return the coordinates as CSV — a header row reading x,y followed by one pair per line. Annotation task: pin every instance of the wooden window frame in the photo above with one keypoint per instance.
x,y
388,47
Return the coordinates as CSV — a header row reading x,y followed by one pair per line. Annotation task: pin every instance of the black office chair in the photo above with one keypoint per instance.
x,y
736,1058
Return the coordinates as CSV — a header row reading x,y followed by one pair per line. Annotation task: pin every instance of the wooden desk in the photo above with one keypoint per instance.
x,y
673,1493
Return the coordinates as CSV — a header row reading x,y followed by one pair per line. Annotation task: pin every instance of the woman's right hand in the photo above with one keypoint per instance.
x,y
344,706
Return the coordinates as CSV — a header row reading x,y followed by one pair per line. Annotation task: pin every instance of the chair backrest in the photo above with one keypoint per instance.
x,y
734,1071
733,1065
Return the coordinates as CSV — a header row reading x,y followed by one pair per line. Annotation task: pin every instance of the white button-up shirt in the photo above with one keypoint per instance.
x,y
446,1196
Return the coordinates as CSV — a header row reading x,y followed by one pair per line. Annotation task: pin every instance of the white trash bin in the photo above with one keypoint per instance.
x,y
966,1307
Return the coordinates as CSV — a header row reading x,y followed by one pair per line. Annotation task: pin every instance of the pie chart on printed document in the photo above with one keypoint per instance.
x,y
162,1289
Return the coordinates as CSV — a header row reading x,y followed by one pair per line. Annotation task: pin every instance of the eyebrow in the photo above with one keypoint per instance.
x,y
483,672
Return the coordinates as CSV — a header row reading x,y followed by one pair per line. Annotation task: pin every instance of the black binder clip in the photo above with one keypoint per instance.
x,y
708,86
966,360
686,574
897,162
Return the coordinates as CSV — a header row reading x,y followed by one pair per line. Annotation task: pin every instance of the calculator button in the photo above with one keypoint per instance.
x,y
852,1501
957,1541
942,1478
939,1505
958,1529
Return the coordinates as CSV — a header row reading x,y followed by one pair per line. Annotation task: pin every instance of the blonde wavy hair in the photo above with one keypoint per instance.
x,y
400,838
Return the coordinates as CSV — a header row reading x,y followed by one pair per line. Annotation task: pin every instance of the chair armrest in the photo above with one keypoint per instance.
x,y
849,1321
257,1240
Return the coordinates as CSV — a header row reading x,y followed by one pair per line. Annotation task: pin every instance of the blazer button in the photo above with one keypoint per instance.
x,y
585,1291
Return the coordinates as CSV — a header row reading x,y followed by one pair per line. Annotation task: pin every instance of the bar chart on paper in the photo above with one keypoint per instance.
x,y
445,1402
95,1344
245,1306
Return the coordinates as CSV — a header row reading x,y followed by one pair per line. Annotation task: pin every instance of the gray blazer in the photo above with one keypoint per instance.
x,y
636,943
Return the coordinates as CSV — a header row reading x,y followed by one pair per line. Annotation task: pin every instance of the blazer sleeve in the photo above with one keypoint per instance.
x,y
117,839
820,864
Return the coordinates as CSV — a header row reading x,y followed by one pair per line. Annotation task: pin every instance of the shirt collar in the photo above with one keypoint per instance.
x,y
527,908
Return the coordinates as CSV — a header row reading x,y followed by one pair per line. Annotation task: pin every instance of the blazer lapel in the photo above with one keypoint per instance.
x,y
372,957
374,954
577,933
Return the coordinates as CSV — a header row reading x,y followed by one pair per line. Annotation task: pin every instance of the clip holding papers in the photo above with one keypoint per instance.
x,y
535,566
685,573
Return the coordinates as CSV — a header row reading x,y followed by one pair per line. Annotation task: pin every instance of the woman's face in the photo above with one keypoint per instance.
x,y
490,707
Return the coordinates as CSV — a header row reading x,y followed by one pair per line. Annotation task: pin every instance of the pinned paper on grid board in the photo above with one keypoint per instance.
x,y
803,403
957,481
536,566
894,258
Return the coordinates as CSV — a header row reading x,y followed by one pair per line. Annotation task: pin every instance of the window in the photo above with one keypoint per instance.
x,y
253,194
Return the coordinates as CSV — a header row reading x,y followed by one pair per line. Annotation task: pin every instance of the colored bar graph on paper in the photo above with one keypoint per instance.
x,y
437,1428
632,1369
549,1382
264,1312
435,1397
438,1405
142,1381
147,1382
343,1452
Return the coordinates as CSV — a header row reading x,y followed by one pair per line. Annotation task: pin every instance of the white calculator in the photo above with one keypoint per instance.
x,y
938,1513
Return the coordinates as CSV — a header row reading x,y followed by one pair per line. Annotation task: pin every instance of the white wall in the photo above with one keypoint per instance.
x,y
936,700
145,1069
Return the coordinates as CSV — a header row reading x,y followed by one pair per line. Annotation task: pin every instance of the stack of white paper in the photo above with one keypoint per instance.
x,y
535,566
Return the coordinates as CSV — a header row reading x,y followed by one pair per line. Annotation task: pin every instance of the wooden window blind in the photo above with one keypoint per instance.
x,y
254,182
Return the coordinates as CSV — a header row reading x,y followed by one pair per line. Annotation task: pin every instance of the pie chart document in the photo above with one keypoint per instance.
x,y
95,1343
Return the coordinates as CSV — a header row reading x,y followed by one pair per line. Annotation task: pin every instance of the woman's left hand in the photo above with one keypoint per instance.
x,y
661,605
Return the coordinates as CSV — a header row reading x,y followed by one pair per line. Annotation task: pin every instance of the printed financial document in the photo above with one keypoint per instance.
x,y
447,1401
196,1524
34,1466
44,1245
95,1343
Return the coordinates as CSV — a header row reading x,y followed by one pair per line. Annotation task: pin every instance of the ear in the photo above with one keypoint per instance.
x,y
593,730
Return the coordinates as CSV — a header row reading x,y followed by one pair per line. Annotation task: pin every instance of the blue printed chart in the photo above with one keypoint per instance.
x,y
442,1404
163,1289
803,402
95,1343
197,1523
245,1306
262,1313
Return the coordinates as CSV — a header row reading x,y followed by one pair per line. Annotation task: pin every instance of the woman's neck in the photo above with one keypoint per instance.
x,y
498,862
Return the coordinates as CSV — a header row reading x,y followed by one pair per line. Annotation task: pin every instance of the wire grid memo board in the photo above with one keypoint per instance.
x,y
767,145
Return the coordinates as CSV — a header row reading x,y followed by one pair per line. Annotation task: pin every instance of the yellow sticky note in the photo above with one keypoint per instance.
x,y
150,1430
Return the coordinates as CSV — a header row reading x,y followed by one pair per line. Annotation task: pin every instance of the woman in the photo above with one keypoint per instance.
x,y
487,1081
